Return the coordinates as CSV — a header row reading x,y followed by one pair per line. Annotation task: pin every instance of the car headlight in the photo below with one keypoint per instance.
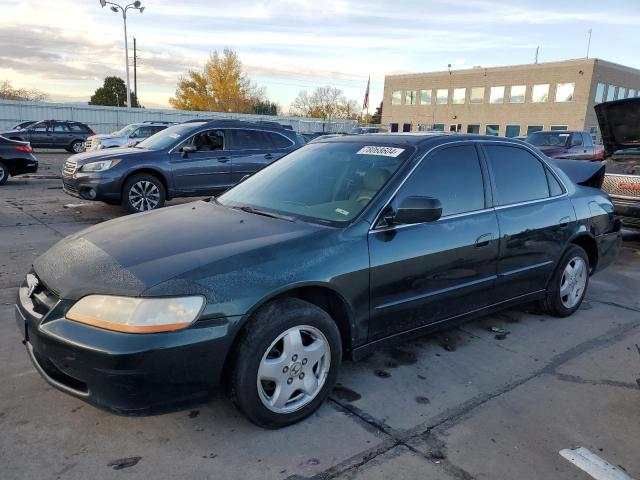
x,y
136,315
99,166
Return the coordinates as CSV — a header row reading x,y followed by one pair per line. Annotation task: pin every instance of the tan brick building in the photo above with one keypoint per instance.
x,y
508,101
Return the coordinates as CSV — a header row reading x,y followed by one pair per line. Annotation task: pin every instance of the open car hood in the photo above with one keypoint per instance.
x,y
619,124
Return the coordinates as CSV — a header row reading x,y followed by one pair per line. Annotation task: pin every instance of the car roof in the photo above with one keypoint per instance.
x,y
265,125
417,139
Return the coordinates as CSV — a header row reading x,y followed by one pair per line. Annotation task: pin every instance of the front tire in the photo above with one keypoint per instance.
x,y
569,283
286,363
143,192
4,173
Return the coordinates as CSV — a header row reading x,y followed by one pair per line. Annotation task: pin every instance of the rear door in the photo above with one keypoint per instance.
x,y
252,150
534,215
61,135
206,171
429,272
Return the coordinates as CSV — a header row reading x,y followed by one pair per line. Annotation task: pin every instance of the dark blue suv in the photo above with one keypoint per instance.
x,y
190,159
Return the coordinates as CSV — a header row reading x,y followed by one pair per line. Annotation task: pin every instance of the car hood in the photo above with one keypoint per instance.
x,y
104,136
619,124
131,254
120,153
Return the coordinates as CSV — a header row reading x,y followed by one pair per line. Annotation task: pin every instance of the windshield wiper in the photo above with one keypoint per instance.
x,y
248,209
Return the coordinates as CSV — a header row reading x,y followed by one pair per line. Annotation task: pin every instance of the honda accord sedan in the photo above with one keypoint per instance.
x,y
340,247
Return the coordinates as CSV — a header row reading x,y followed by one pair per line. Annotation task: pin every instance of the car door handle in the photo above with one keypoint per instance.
x,y
268,156
564,222
223,159
483,240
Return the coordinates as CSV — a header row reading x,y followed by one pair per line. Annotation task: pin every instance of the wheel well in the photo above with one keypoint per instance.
x,y
590,246
149,171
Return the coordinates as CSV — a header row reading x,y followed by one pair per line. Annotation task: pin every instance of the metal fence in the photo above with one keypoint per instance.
x,y
110,119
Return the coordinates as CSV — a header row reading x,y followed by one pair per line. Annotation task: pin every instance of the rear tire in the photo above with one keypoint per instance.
x,y
285,363
143,192
4,173
568,284
76,147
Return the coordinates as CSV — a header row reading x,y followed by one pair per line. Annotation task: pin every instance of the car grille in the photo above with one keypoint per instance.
x,y
622,185
69,186
69,168
42,299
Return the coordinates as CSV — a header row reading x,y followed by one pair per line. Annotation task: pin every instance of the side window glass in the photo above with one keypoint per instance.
x,y
250,140
278,141
74,127
39,127
451,175
60,128
208,141
518,175
576,140
554,186
587,141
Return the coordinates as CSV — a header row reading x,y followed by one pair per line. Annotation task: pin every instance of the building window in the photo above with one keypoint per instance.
x,y
410,97
595,134
459,96
517,93
600,93
559,128
611,93
439,127
512,131
632,93
477,95
540,93
394,127
442,96
564,92
622,93
534,128
396,97
492,130
406,127
496,95
473,128
425,97
455,127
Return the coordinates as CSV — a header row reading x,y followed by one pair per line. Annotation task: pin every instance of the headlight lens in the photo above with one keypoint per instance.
x,y
136,315
99,166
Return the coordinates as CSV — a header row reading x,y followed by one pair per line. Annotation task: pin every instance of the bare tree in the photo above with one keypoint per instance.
x,y
324,102
8,92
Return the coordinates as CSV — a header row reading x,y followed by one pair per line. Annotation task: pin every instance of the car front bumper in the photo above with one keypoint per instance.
x,y
101,186
627,211
128,374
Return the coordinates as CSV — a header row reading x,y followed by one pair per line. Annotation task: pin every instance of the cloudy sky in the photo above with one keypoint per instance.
x,y
66,47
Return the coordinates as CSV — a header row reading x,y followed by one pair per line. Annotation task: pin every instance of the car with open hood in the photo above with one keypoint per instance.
x,y
341,246
620,127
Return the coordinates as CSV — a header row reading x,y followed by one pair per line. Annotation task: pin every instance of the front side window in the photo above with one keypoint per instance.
x,y
38,127
517,93
512,131
576,140
321,182
410,97
611,93
167,137
540,93
439,177
442,96
496,95
425,97
477,95
492,130
396,97
459,95
599,98
518,175
564,92
208,140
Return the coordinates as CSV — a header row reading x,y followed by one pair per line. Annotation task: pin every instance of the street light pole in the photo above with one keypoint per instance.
x,y
119,8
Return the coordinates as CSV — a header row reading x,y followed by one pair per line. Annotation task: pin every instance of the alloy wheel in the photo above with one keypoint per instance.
x,y
77,147
294,369
2,173
573,282
144,196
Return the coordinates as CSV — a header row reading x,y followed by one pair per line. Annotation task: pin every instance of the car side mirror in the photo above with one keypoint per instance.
x,y
187,149
416,209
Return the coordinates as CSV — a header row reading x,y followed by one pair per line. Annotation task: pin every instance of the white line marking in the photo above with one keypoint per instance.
x,y
595,466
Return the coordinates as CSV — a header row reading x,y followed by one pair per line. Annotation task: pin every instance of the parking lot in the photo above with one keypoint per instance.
x,y
467,403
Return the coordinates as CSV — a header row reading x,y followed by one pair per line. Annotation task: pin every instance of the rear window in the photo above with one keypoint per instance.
x,y
548,139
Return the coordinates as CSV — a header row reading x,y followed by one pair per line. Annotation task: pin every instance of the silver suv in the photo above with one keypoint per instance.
x,y
126,137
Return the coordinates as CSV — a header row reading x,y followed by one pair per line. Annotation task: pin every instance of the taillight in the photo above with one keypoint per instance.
x,y
91,133
24,148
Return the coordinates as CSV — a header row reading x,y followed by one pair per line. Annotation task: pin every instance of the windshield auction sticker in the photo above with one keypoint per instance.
x,y
382,151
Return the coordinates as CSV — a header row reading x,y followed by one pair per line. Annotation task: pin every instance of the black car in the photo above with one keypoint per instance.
x,y
16,158
190,159
620,126
53,134
338,248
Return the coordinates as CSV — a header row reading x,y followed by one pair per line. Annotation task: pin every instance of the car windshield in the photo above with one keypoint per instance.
x,y
126,131
168,137
548,139
328,183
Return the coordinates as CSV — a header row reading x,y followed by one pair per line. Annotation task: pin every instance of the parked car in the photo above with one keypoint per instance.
x,y
21,125
190,159
620,127
128,136
366,129
53,134
16,158
566,144
340,247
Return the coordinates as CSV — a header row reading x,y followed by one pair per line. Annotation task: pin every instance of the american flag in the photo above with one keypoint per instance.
x,y
365,104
